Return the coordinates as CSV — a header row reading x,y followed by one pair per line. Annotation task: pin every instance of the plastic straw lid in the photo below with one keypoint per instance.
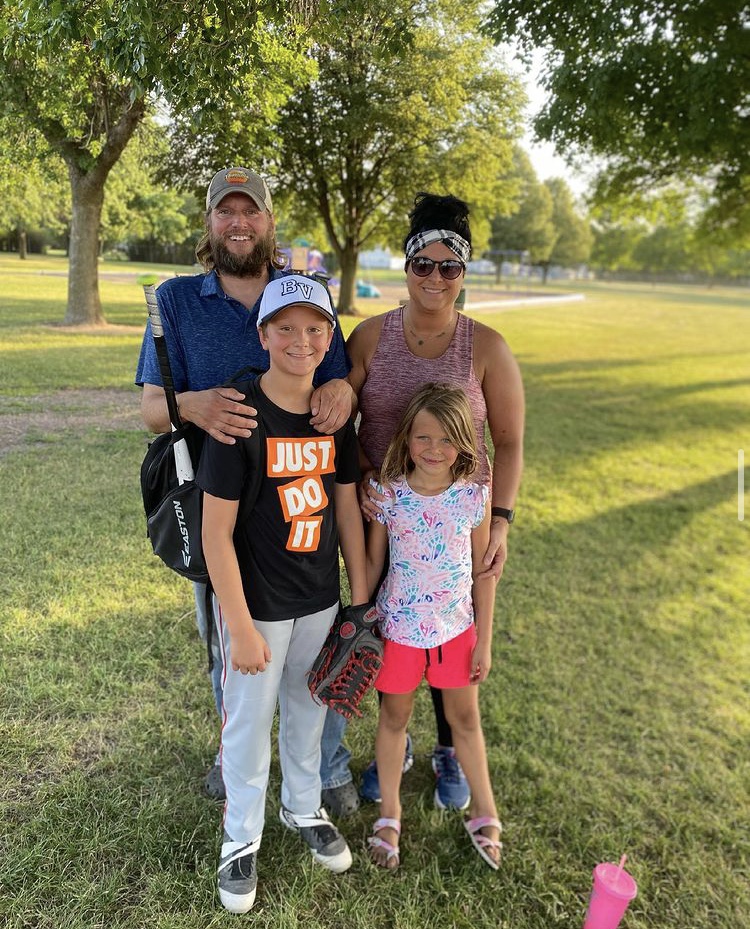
x,y
616,880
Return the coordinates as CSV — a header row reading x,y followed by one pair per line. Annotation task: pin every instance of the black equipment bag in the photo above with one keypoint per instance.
x,y
174,511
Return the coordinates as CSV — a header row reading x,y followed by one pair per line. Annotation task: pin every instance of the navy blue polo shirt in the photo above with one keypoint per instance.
x,y
211,336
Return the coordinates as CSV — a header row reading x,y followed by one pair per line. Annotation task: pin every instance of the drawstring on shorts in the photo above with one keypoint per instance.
x,y
439,652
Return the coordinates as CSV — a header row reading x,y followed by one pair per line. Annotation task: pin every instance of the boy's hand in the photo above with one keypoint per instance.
x,y
250,651
481,661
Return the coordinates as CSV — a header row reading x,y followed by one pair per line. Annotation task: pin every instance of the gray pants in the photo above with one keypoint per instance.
x,y
249,705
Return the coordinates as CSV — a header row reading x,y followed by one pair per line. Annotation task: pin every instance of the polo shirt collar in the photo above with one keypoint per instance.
x,y
211,286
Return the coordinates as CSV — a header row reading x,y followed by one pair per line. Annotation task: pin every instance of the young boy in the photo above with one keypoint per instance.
x,y
276,582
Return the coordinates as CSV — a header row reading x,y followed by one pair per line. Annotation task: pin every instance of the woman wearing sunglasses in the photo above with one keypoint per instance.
x,y
392,356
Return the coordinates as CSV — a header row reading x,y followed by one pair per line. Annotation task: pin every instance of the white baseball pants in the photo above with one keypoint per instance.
x,y
249,704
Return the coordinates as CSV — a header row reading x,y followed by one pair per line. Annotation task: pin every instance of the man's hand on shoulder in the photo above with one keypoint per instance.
x,y
331,405
220,412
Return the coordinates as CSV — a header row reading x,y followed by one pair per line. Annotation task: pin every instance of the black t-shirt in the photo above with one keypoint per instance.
x,y
287,546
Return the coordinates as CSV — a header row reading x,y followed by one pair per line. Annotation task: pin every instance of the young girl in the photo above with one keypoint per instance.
x,y
435,609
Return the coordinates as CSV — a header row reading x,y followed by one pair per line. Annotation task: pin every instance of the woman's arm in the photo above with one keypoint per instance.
x,y
352,540
360,350
250,651
377,546
361,346
483,595
503,393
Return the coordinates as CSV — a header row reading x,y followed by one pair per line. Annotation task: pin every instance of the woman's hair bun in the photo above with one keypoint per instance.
x,y
433,211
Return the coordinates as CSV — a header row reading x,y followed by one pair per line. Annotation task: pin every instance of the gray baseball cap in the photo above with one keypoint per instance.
x,y
238,181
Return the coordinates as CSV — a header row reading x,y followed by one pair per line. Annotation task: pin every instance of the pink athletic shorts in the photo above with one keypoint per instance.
x,y
445,666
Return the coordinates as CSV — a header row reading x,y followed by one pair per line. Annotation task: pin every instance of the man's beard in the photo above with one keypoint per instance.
x,y
250,265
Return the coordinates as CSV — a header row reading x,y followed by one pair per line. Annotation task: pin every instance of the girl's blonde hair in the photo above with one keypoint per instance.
x,y
450,407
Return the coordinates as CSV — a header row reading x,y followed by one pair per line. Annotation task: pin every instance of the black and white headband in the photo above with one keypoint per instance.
x,y
456,243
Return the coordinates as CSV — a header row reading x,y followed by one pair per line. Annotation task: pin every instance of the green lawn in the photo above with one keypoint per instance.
x,y
617,713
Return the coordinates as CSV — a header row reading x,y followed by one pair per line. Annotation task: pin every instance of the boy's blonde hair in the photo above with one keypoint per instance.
x,y
450,407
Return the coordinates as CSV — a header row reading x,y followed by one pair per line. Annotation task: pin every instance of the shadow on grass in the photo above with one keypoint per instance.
x,y
620,725
613,719
573,416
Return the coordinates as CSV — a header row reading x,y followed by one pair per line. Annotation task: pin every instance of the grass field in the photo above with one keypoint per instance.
x,y
617,713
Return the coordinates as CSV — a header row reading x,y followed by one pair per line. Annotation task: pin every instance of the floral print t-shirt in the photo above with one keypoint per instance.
x,y
425,599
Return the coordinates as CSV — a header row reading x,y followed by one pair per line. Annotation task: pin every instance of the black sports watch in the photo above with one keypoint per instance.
x,y
510,515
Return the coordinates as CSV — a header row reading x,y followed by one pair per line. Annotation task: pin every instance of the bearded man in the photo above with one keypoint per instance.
x,y
210,328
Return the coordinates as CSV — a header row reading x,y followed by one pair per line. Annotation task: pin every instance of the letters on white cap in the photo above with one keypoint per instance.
x,y
295,290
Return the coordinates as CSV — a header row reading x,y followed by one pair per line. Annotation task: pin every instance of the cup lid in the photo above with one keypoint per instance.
x,y
616,880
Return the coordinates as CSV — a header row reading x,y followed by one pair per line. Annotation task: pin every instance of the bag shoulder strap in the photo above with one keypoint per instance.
x,y
251,491
257,447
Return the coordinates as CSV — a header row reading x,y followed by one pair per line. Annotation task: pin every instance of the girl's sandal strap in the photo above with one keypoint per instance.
x,y
483,843
375,841
474,825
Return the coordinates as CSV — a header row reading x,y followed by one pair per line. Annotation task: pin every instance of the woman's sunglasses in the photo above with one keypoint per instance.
x,y
449,269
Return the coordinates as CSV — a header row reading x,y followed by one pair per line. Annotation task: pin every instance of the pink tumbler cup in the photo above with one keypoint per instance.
x,y
613,889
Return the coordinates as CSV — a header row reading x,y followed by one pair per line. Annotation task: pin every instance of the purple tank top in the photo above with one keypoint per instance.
x,y
395,374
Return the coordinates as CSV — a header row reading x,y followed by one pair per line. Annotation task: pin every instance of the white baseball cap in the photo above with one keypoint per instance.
x,y
295,290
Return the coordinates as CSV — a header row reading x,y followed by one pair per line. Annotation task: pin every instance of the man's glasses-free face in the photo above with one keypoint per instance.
x,y
449,269
225,214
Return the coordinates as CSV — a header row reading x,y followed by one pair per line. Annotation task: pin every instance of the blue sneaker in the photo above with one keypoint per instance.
x,y
369,789
452,789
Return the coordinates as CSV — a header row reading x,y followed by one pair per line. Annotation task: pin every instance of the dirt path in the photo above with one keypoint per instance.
x,y
27,422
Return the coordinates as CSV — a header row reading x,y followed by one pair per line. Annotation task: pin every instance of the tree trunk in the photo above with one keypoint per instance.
x,y
347,288
87,190
22,252
84,305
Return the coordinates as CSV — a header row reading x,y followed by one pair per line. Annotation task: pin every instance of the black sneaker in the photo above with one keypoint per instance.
x,y
238,876
326,843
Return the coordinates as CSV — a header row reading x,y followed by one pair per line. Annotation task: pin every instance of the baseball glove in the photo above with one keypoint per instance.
x,y
349,660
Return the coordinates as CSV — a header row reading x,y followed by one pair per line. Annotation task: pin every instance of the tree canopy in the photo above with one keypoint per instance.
x,y
34,193
399,96
84,72
529,227
573,236
664,236
407,97
660,88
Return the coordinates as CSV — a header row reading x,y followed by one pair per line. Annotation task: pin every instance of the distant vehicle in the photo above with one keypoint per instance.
x,y
367,290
